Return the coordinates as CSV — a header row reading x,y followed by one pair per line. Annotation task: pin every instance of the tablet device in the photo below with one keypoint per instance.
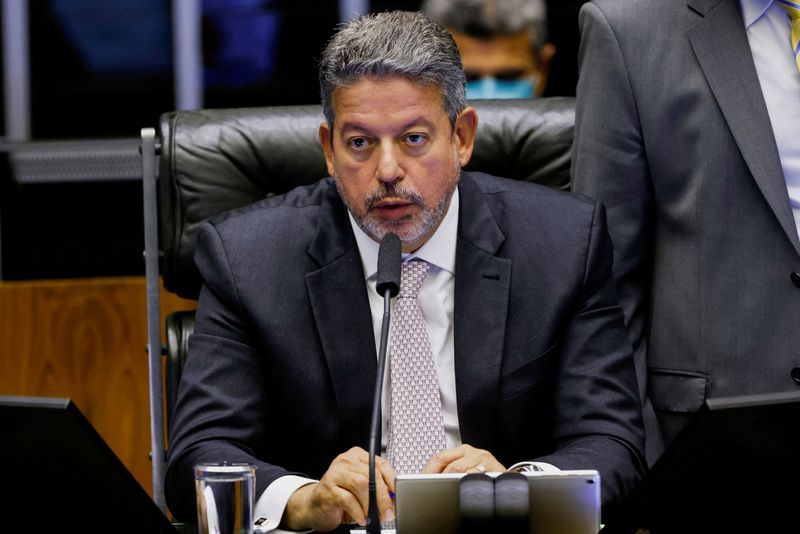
x,y
734,468
59,475
563,502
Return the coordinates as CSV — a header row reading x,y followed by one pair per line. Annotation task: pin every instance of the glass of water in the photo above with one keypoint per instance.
x,y
225,495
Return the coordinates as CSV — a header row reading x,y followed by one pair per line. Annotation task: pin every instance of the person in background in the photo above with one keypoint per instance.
x,y
688,130
515,358
503,44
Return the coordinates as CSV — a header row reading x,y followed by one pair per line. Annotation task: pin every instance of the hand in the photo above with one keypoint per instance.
x,y
463,459
342,495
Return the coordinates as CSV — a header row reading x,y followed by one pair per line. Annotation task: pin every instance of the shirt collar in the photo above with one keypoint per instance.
x,y
439,250
752,10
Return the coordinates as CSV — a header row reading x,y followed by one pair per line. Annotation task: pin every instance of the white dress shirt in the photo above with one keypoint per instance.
x,y
768,31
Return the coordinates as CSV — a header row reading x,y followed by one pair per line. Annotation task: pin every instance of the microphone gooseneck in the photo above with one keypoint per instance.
x,y
388,285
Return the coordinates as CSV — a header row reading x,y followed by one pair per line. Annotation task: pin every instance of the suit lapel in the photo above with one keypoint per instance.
x,y
481,306
341,309
723,52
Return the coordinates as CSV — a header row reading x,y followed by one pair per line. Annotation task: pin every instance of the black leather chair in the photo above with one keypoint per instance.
x,y
199,164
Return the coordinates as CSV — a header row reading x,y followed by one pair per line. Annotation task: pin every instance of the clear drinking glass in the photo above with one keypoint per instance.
x,y
225,495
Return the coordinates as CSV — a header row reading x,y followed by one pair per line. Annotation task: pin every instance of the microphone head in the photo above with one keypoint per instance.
x,y
389,259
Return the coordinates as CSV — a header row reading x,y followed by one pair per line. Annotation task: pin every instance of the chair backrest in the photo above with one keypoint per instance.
x,y
215,160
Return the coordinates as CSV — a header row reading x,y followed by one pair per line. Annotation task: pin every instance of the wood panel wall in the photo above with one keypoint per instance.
x,y
85,339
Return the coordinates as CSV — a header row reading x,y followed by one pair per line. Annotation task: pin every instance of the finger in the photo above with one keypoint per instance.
x,y
439,461
463,465
384,500
476,461
347,478
385,471
350,506
470,457
358,453
489,462
355,458
353,473
354,461
358,485
384,488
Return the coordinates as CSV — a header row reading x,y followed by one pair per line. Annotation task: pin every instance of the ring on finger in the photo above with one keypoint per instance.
x,y
479,468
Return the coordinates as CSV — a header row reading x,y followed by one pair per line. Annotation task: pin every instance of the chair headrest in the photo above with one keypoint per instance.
x,y
215,160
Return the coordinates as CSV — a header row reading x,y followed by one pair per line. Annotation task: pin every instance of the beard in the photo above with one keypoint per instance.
x,y
409,229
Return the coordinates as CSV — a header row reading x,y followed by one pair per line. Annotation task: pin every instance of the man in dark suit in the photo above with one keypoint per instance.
x,y
530,352
687,130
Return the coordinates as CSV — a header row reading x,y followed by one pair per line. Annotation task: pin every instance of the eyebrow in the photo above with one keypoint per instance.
x,y
419,121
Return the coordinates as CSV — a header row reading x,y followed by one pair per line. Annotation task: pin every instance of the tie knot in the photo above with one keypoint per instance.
x,y
411,277
791,7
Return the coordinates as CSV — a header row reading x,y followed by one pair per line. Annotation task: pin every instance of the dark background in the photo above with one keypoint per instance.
x,y
103,69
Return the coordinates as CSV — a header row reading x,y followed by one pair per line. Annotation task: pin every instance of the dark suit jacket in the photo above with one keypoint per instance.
x,y
673,136
282,363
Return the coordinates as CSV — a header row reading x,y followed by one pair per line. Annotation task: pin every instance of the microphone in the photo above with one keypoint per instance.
x,y
389,260
388,285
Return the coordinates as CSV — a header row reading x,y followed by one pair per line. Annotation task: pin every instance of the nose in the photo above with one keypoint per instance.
x,y
389,169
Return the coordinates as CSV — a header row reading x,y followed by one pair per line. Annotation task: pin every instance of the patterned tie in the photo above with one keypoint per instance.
x,y
792,7
416,430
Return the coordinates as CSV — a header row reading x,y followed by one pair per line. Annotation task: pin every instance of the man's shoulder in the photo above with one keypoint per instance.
x,y
634,6
299,203
519,192
528,215
264,236
633,13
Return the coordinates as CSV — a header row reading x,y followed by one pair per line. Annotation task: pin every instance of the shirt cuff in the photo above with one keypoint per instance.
x,y
536,467
270,505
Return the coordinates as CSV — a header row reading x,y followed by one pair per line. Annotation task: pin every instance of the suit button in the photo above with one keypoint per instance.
x,y
796,375
796,279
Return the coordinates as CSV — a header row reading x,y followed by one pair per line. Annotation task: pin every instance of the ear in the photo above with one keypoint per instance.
x,y
465,129
326,141
546,54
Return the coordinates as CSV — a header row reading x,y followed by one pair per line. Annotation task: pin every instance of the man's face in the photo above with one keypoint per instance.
x,y
395,156
505,59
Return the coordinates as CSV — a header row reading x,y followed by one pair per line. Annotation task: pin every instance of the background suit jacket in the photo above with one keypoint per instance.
x,y
282,362
673,136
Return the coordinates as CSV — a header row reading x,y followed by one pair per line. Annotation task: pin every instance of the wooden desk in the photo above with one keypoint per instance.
x,y
85,339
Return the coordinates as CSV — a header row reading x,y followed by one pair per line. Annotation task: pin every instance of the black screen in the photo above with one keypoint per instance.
x,y
59,475
734,468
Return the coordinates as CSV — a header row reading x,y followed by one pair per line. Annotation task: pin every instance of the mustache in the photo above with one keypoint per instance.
x,y
394,191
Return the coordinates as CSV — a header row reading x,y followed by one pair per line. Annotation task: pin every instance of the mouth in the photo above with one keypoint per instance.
x,y
393,208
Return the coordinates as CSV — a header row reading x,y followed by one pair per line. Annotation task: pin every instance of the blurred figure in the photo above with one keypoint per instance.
x,y
503,44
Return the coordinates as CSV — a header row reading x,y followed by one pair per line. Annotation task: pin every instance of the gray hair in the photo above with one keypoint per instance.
x,y
395,43
486,18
